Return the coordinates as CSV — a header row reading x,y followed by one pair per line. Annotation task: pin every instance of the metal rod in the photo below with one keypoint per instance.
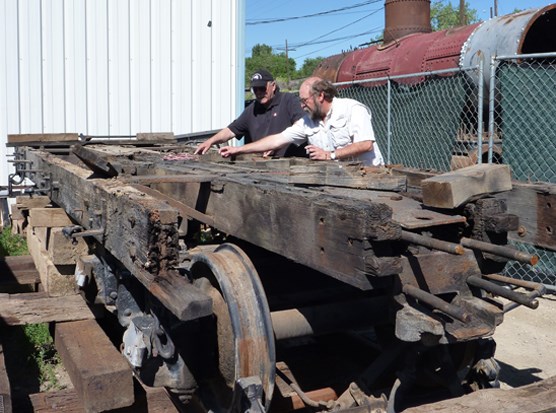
x,y
480,112
88,233
410,75
500,250
530,285
537,289
525,56
502,291
491,108
438,303
389,122
433,243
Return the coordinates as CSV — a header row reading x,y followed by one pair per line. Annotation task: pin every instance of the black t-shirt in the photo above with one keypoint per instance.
x,y
258,121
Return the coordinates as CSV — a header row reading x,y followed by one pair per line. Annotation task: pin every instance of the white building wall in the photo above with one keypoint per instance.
x,y
118,67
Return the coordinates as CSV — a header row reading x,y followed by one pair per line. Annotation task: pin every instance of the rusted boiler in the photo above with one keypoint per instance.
x,y
410,47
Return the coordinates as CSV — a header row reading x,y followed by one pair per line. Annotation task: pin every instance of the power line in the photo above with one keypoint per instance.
x,y
283,19
340,28
296,46
327,47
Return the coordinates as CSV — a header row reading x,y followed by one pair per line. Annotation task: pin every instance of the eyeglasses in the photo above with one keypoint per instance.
x,y
258,88
305,100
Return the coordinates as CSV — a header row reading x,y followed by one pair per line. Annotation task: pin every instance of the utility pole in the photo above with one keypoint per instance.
x,y
495,8
462,17
287,65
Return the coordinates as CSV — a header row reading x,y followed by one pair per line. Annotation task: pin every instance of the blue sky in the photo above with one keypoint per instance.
x,y
329,34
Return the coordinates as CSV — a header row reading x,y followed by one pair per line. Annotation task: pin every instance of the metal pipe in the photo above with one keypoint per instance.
x,y
327,318
438,303
537,289
389,122
500,250
410,75
491,102
502,291
433,243
480,112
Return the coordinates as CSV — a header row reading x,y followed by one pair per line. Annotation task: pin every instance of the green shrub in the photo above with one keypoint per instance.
x,y
44,353
11,244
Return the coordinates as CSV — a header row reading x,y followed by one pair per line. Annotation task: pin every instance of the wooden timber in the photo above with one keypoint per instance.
x,y
5,390
145,238
453,189
18,270
33,308
28,202
98,371
535,204
43,137
146,401
48,217
53,281
533,398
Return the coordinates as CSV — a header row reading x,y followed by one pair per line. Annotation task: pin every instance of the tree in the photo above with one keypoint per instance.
x,y
262,57
309,65
445,15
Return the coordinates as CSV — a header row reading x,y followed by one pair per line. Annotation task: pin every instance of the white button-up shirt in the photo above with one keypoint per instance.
x,y
346,122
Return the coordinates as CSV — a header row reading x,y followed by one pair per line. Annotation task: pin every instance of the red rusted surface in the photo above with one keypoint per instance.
x,y
404,17
412,54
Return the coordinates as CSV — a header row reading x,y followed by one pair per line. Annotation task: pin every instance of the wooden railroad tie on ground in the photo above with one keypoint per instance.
x,y
102,378
98,371
54,254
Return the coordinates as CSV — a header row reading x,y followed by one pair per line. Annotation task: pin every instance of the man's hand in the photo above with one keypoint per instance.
x,y
228,151
203,148
316,153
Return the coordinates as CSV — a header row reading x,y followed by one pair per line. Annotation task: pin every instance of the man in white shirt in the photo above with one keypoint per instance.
x,y
335,128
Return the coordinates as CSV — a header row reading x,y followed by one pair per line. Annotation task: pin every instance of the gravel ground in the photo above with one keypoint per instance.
x,y
526,344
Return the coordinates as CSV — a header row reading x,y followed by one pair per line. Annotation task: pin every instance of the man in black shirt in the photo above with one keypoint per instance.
x,y
270,113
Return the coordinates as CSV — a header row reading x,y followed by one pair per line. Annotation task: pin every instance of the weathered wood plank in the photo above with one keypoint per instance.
x,y
18,270
156,137
533,398
407,212
331,233
345,175
5,390
63,251
101,376
48,217
29,202
55,283
453,189
33,308
148,400
43,137
145,240
535,205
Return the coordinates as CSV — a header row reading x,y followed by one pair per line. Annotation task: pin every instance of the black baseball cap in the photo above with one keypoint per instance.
x,y
260,77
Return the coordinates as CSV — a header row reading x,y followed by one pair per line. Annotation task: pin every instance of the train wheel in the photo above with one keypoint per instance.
x,y
239,333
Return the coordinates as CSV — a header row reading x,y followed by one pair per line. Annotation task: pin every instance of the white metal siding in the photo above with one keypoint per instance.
x,y
119,67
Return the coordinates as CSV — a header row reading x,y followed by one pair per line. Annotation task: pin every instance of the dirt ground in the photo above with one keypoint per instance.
x,y
526,344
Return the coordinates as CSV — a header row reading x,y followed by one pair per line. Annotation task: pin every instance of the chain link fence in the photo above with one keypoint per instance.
x,y
522,115
426,120
434,121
